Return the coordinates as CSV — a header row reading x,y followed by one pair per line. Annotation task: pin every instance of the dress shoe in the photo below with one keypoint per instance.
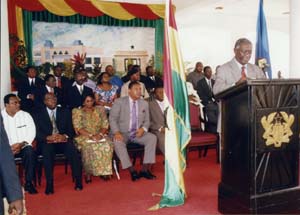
x,y
78,185
147,174
134,175
105,177
30,188
49,189
88,179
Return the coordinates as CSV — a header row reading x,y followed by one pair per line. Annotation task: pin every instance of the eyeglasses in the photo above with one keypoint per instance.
x,y
245,52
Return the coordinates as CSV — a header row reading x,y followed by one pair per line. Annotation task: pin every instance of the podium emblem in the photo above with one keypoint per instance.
x,y
277,127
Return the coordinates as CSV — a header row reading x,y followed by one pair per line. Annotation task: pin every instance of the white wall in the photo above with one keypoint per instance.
x,y
5,71
209,36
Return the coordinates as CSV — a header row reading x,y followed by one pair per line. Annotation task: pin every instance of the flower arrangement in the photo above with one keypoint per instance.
x,y
262,63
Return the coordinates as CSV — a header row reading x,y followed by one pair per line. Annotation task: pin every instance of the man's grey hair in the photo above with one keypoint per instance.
x,y
241,41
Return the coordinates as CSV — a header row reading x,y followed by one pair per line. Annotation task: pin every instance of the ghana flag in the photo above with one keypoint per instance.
x,y
178,132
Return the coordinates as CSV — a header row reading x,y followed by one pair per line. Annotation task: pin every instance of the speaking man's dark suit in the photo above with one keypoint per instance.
x,y
210,106
73,97
157,121
119,120
24,88
64,126
43,91
10,186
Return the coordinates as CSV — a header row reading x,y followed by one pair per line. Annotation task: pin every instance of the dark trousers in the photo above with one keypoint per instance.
x,y
28,156
211,111
49,150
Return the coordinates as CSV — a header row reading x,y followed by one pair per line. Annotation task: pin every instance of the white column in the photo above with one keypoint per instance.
x,y
5,68
294,38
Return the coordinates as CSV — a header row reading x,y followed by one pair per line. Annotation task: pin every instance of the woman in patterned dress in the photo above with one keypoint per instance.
x,y
105,92
91,126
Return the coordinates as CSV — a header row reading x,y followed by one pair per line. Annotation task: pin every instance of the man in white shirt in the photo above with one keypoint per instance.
x,y
20,129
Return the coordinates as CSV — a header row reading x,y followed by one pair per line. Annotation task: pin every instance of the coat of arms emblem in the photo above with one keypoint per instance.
x,y
277,127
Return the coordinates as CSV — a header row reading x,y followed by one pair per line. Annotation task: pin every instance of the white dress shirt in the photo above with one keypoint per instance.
x,y
161,105
19,128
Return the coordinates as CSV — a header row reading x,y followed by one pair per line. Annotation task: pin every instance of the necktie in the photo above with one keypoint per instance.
x,y
209,84
59,82
243,73
54,127
133,121
81,89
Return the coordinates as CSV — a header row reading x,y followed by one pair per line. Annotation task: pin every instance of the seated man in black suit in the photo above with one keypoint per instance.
x,y
61,81
28,88
49,87
75,93
152,80
55,133
211,110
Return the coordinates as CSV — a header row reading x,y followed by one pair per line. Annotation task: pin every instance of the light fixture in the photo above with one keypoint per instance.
x,y
219,8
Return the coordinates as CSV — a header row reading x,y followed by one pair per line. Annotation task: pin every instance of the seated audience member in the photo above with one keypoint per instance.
x,y
28,88
76,92
10,186
196,75
126,78
129,122
87,81
205,92
105,92
49,87
91,126
152,80
61,81
195,99
114,79
134,75
157,118
55,134
20,129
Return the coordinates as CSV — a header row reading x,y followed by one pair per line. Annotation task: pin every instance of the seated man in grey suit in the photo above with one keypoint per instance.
x,y
129,122
157,118
238,69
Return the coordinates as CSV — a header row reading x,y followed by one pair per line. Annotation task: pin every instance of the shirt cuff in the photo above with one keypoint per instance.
x,y
145,129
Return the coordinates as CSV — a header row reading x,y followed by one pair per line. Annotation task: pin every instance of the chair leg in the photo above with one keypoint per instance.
x,y
199,152
66,166
205,151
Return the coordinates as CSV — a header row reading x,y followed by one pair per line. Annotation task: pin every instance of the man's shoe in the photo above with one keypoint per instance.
x,y
134,175
147,175
49,189
30,188
78,185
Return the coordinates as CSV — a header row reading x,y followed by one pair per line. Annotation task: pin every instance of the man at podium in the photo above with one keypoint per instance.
x,y
238,69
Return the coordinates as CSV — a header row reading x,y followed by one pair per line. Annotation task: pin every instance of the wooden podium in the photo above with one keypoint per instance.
x,y
260,148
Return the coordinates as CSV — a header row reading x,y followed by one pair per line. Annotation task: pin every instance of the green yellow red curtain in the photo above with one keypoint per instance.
x,y
23,12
